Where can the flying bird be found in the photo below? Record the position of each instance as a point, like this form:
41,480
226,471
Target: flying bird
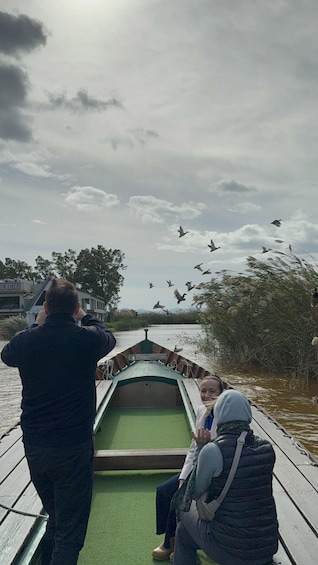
151,285
189,285
212,246
198,266
182,232
178,296
277,223
207,272
314,298
166,311
170,283
158,305
265,249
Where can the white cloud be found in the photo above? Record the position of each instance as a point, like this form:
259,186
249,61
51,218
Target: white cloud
33,169
154,210
245,208
90,198
38,222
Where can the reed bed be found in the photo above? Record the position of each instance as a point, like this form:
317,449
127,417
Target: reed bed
264,317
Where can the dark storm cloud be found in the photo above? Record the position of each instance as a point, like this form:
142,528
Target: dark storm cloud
82,102
13,92
232,186
20,33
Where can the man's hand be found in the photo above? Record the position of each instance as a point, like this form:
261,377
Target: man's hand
79,315
40,318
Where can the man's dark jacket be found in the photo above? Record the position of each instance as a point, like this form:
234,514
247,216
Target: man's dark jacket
57,362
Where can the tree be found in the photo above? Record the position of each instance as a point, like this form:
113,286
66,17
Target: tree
2,270
43,268
17,270
65,265
97,270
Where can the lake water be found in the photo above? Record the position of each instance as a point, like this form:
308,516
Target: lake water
290,403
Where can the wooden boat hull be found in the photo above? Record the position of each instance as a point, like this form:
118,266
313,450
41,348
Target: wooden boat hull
149,375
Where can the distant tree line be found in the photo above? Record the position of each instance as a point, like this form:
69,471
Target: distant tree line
97,270
266,318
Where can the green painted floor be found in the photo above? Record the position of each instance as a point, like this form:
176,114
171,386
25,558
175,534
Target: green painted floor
121,528
143,428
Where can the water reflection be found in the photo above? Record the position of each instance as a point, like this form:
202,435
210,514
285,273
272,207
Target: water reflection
289,402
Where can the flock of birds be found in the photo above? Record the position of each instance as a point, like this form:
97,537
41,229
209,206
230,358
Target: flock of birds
180,297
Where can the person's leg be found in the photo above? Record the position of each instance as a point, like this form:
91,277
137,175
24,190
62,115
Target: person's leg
170,529
164,494
37,459
165,517
192,534
72,477
185,547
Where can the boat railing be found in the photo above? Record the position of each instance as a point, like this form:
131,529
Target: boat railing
182,366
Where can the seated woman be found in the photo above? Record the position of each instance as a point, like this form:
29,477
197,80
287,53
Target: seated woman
244,530
210,388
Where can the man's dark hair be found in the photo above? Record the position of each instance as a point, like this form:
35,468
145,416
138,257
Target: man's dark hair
61,297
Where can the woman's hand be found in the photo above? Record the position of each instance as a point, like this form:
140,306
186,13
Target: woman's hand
202,436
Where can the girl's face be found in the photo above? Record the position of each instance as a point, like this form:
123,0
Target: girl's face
210,389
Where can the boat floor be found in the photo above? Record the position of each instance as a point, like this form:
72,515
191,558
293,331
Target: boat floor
295,487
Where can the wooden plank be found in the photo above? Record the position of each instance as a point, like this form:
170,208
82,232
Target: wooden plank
101,391
11,459
280,436
146,357
14,485
8,439
193,393
284,443
18,527
281,557
138,459
295,534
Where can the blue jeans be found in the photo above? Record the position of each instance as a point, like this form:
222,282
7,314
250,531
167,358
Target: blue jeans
166,518
63,478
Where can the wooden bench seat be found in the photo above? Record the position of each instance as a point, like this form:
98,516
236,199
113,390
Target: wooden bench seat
146,357
138,459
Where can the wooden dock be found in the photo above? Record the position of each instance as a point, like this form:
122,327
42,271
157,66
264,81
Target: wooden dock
295,489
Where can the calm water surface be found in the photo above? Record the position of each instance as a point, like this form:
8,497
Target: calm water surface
288,402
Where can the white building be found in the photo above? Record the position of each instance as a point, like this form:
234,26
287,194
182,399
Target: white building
20,297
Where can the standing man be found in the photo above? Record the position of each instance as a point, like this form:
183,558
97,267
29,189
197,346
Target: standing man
57,360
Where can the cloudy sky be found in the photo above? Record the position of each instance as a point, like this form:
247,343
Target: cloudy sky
121,121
